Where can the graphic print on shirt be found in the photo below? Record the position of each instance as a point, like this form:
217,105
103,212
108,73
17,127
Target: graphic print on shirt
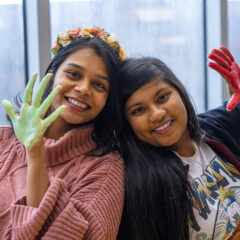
217,200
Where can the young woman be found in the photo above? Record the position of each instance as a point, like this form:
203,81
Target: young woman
181,171
60,174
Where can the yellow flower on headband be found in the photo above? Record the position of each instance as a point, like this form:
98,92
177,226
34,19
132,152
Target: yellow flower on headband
122,54
69,36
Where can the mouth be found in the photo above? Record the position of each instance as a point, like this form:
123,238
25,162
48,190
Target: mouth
76,104
164,128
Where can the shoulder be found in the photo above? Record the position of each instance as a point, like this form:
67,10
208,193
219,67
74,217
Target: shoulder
223,126
6,135
105,164
6,132
7,140
94,174
220,118
221,113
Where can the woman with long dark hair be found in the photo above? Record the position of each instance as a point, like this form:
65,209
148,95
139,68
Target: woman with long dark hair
181,170
61,176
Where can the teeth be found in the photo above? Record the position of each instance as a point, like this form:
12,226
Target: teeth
163,127
81,105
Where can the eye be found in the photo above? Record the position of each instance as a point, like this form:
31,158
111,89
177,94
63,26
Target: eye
163,97
138,110
99,85
73,74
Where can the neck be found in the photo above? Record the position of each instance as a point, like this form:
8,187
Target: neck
185,147
187,151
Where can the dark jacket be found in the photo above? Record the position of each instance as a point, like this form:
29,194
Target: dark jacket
222,132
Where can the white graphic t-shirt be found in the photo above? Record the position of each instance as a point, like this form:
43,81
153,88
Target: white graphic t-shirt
216,196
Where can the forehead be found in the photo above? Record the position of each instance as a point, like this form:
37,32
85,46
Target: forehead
85,53
150,88
88,59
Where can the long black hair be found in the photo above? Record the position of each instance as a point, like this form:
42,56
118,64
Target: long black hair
107,123
158,201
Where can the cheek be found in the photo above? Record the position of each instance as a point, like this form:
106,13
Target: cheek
182,114
101,100
138,126
59,79
55,103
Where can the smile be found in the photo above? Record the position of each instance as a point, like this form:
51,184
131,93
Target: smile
164,128
75,103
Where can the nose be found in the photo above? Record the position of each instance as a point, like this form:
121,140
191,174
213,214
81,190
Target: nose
82,87
157,114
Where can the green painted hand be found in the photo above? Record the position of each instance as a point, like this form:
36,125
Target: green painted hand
30,125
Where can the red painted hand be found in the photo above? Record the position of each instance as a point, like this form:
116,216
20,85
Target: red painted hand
230,70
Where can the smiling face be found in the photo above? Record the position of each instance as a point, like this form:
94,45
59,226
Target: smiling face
85,87
158,116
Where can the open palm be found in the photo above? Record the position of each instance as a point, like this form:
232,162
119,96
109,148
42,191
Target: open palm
230,70
30,125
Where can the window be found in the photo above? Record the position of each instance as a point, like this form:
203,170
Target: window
171,30
12,75
233,28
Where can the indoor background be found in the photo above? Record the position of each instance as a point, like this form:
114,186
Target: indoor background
179,32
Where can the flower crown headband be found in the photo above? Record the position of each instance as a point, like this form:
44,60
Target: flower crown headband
69,36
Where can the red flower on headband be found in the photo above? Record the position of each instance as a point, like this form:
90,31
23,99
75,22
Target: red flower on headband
57,46
74,33
68,36
99,32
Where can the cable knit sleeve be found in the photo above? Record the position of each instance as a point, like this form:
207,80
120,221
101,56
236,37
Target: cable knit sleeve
90,208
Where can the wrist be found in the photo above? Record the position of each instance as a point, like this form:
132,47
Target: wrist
37,147
37,154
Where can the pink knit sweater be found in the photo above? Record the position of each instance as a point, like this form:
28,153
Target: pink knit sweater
84,199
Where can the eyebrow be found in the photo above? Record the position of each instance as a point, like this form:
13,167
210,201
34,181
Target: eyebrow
160,90
83,69
139,103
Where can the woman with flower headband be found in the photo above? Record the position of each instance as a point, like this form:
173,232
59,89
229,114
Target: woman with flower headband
182,172
60,174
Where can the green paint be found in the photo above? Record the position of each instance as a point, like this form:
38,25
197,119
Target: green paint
29,126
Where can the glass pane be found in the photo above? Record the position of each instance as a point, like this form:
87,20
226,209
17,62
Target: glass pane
12,52
168,29
234,28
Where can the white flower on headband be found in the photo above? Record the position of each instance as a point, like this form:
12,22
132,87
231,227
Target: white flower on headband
69,36
64,38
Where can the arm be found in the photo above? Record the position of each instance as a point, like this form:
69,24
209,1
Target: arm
29,127
90,210
229,69
37,176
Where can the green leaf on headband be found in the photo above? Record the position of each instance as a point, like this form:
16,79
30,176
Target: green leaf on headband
54,51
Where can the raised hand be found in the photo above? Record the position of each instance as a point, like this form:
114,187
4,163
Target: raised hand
230,70
30,125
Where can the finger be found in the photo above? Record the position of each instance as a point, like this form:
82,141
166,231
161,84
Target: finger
235,78
226,51
9,109
235,99
231,90
48,101
53,116
219,60
222,55
223,71
28,90
37,98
